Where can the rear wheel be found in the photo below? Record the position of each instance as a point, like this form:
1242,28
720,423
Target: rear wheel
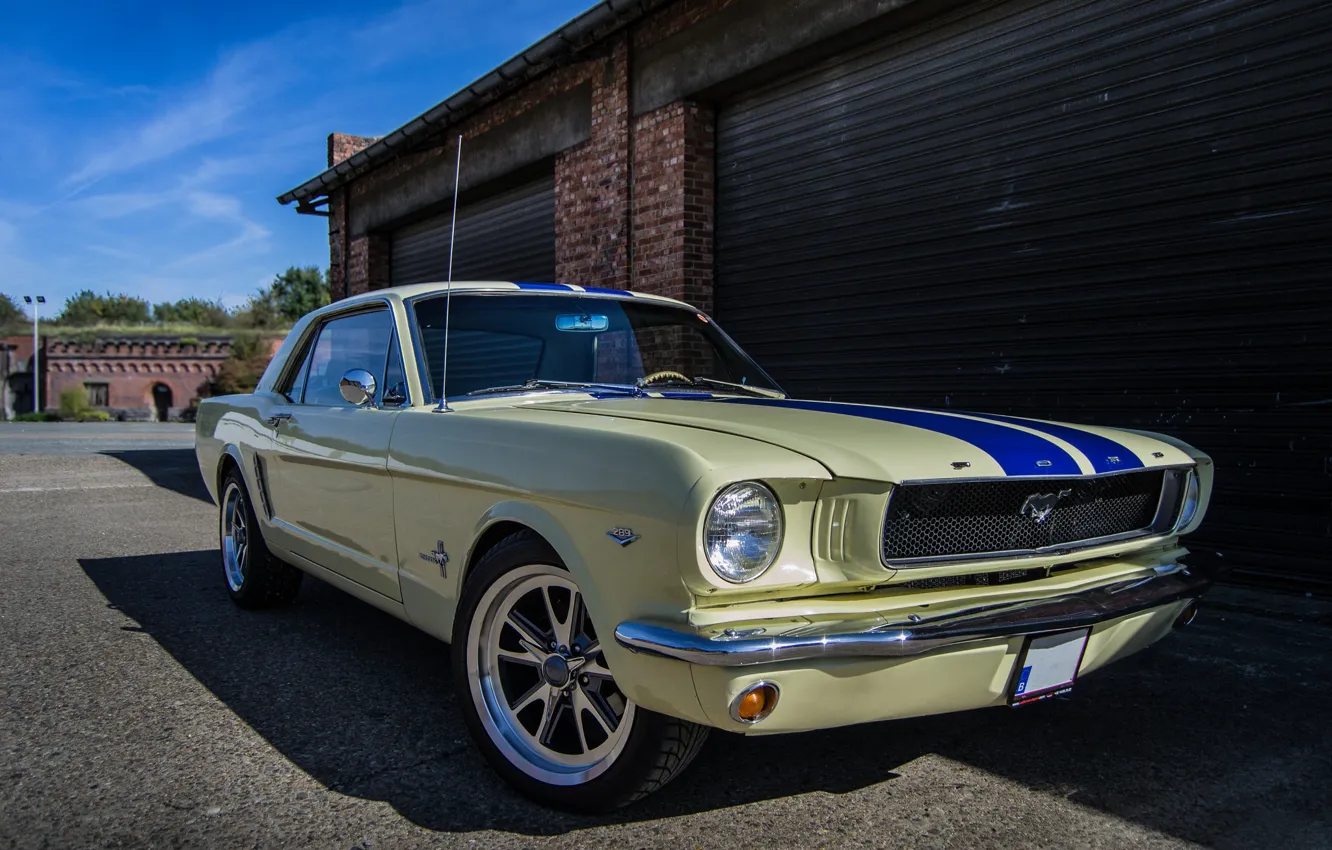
538,696
255,578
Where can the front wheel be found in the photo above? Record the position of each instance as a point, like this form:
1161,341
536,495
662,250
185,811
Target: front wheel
537,694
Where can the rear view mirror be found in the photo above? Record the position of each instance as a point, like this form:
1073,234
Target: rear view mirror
585,323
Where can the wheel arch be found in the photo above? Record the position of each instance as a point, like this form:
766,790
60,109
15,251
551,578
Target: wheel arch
509,517
230,458
256,487
488,539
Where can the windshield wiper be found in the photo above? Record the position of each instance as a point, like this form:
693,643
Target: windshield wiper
761,392
542,384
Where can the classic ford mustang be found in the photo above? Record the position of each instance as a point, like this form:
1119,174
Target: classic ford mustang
629,534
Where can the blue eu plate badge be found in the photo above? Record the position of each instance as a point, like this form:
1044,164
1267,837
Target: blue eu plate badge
1048,666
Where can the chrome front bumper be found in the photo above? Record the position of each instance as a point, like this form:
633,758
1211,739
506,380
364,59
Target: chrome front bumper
896,640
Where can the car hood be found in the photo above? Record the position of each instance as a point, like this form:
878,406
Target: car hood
896,443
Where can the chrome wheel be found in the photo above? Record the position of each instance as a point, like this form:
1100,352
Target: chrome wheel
539,681
235,536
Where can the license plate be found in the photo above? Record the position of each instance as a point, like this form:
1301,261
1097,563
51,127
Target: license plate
1048,666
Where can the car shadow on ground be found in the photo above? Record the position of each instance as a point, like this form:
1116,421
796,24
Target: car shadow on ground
1205,736
176,470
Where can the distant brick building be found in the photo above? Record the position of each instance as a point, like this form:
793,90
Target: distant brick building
149,378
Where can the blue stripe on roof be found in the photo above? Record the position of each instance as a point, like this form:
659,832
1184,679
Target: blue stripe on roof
1017,452
601,291
1098,449
557,287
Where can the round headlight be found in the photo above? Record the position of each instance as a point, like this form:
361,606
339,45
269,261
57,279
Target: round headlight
743,531
1189,505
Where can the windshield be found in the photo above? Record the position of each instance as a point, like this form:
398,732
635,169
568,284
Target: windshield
505,341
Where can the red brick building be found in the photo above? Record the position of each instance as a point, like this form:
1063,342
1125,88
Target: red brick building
149,378
1092,211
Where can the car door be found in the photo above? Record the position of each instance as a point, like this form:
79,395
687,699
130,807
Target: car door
332,498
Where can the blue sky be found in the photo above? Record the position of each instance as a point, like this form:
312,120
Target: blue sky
144,143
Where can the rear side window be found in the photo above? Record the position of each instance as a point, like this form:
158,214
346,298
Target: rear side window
359,341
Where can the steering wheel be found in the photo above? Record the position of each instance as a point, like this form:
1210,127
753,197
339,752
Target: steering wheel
657,376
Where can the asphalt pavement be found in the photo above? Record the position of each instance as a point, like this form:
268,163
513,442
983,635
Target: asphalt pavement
139,708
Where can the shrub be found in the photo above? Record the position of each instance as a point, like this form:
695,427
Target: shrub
37,417
73,403
94,416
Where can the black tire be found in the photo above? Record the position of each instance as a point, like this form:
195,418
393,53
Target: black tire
656,748
263,581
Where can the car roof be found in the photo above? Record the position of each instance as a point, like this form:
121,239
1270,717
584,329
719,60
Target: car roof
417,290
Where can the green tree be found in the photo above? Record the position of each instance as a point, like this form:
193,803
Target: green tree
89,308
297,291
193,311
260,313
242,369
10,312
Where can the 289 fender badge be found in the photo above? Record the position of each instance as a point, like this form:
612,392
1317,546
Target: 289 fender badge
623,536
438,557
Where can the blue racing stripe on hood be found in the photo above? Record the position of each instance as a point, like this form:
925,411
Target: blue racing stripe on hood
1018,452
1104,453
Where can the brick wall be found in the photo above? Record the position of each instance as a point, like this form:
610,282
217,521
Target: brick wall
633,204
592,187
341,146
368,259
673,202
337,249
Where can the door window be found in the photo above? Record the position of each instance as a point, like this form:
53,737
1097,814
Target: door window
359,341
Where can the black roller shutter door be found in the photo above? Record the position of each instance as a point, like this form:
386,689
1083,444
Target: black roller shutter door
1104,212
507,236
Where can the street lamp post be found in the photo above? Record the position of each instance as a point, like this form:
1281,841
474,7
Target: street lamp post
36,402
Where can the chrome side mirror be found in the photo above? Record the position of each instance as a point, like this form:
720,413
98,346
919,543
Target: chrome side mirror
357,387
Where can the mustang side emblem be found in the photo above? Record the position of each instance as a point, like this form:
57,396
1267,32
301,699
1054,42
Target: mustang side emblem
438,557
623,536
1039,506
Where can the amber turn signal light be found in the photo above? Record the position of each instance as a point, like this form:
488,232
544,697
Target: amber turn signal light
754,703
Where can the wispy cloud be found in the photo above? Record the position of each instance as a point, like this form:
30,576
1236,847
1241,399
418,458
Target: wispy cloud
249,237
205,114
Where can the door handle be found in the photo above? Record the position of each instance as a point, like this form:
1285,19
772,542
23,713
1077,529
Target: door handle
278,418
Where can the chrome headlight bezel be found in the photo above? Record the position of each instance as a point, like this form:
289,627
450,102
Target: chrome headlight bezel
746,574
1189,501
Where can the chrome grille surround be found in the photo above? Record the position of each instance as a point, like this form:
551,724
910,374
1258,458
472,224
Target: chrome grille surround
929,522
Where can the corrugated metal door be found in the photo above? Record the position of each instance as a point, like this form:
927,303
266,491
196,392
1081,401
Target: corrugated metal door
1104,212
507,236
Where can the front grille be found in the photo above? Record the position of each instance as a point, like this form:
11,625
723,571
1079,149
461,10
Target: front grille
1012,515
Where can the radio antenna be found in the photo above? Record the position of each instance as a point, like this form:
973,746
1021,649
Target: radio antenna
448,291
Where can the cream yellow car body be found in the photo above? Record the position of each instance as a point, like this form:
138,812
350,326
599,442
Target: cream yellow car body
380,499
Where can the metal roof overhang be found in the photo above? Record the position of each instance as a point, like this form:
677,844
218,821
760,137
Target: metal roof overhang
586,29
